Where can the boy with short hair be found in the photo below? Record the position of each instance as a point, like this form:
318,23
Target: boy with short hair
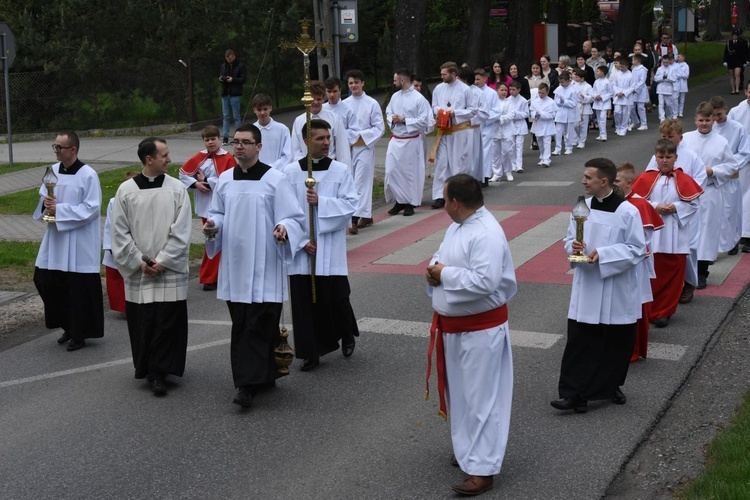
520,129
622,87
664,79
567,104
277,142
543,111
714,150
335,104
504,149
201,174
602,101
584,91
682,73
640,94
674,195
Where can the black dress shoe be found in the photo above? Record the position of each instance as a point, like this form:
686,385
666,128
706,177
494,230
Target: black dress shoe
244,397
734,250
65,337
75,345
310,364
619,398
396,209
408,211
439,203
577,405
687,293
454,461
702,282
348,349
661,322
158,387
209,287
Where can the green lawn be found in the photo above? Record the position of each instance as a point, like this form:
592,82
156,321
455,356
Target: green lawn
6,168
704,59
728,471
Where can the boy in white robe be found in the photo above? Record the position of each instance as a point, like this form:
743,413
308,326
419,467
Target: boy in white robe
340,150
622,88
151,225
491,104
277,141
504,149
543,111
565,118
410,118
475,167
602,91
585,98
320,325
258,225
66,271
720,167
334,102
682,73
364,133
664,80
471,278
603,308
734,133
741,114
640,94
520,129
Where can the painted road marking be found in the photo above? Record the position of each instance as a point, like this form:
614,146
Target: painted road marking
544,184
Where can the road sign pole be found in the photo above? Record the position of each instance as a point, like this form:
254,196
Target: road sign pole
7,97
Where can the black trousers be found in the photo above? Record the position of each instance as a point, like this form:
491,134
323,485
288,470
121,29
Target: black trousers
72,301
158,338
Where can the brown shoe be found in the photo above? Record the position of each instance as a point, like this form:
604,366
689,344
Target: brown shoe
687,293
364,222
353,230
473,485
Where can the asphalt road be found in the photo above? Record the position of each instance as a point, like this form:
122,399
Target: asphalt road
77,425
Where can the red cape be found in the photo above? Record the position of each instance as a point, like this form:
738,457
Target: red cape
687,188
222,161
649,215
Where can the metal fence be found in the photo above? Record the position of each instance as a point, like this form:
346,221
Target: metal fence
45,102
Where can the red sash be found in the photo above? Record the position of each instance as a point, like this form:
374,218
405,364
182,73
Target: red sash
649,215
687,188
404,136
222,162
457,324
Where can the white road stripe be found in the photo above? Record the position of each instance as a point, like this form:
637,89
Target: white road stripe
531,243
545,183
518,338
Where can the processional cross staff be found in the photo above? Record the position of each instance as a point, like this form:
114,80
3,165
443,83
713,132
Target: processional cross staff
306,44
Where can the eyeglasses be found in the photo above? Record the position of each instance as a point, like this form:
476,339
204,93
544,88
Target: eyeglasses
245,143
57,148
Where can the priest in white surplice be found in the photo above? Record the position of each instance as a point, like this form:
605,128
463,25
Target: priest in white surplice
452,150
319,326
364,132
66,272
340,150
151,224
254,209
410,117
470,279
603,306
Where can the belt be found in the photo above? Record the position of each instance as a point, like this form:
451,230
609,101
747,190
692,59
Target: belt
394,136
448,131
456,324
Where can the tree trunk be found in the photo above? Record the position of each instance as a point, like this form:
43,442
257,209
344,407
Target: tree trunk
628,21
725,15
744,10
408,28
713,30
645,27
479,18
521,21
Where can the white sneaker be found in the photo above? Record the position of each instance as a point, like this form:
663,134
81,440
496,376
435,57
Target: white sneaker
598,138
568,152
494,178
509,177
519,171
630,127
545,165
580,146
604,139
556,152
643,127
540,162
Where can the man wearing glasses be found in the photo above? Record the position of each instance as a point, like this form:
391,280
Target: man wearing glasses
665,47
257,224
67,266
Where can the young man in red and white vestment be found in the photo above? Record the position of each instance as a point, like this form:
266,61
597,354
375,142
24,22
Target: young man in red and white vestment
652,221
201,174
674,195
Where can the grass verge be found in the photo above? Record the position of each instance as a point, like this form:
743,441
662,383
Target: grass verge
6,168
704,59
728,471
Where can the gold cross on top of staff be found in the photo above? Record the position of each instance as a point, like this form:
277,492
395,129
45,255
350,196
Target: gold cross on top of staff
305,43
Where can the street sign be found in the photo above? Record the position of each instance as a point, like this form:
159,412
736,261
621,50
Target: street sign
347,21
9,44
